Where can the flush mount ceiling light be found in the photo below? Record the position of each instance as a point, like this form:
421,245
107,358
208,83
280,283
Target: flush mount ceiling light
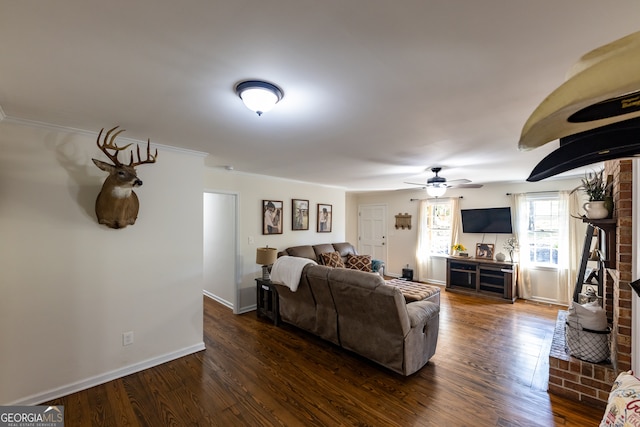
259,96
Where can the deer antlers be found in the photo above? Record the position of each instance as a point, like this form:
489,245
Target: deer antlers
111,145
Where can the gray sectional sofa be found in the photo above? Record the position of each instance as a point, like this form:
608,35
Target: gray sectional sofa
361,312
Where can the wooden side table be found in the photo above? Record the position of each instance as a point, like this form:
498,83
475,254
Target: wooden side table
267,300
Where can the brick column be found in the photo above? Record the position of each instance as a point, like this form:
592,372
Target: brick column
620,291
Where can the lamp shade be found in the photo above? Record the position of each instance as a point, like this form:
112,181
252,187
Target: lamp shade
266,256
436,190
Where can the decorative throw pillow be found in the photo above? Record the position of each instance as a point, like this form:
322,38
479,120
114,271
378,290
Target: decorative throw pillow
623,406
591,316
332,259
375,265
359,262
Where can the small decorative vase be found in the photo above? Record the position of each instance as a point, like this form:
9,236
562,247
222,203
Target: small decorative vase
596,210
455,253
500,257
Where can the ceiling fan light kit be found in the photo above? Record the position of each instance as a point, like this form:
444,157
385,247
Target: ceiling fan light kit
436,190
259,96
436,186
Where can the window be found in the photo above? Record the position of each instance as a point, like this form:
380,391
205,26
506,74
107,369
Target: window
543,230
439,221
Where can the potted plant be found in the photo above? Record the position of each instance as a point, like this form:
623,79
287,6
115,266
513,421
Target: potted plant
596,188
511,246
459,250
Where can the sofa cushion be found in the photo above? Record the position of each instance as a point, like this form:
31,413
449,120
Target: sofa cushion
622,406
305,251
332,259
345,249
359,262
321,249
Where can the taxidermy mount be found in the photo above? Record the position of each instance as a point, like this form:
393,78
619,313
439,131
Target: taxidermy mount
117,204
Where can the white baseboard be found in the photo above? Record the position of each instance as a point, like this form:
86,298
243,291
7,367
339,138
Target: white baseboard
247,309
550,301
226,303
55,393
437,283
218,299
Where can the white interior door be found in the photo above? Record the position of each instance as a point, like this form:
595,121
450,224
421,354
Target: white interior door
220,248
372,231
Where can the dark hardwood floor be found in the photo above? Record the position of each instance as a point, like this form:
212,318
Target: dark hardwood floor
490,369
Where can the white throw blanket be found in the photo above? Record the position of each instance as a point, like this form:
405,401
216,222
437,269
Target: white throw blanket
288,269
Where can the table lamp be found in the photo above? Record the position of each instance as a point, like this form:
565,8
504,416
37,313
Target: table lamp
266,257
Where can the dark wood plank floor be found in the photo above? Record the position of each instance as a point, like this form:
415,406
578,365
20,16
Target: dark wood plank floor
490,369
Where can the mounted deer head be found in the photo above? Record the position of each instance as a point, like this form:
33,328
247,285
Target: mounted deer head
117,204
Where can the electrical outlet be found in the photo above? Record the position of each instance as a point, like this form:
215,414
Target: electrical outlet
127,338
250,240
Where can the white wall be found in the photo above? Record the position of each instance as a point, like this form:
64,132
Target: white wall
252,190
71,287
402,243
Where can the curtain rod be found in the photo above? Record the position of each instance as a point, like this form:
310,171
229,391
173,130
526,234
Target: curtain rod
437,198
536,192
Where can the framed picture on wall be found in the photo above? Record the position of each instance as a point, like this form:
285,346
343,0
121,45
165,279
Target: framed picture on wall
484,250
299,214
324,218
271,217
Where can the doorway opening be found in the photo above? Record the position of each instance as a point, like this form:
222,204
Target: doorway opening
220,248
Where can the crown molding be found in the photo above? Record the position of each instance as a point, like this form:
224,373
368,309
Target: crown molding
67,129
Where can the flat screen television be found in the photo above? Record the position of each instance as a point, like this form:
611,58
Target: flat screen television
489,220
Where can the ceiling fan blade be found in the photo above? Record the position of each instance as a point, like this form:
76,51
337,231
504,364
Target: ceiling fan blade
415,183
458,181
465,186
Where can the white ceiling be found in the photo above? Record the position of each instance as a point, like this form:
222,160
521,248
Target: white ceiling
376,91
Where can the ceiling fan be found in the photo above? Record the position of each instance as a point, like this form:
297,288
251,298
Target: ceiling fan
437,185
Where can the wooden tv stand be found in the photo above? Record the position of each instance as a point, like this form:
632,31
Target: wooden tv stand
483,277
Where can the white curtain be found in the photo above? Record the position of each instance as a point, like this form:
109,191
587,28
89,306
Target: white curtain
577,234
456,220
571,233
422,247
563,269
521,232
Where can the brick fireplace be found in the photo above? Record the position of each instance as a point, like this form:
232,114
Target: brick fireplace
585,381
